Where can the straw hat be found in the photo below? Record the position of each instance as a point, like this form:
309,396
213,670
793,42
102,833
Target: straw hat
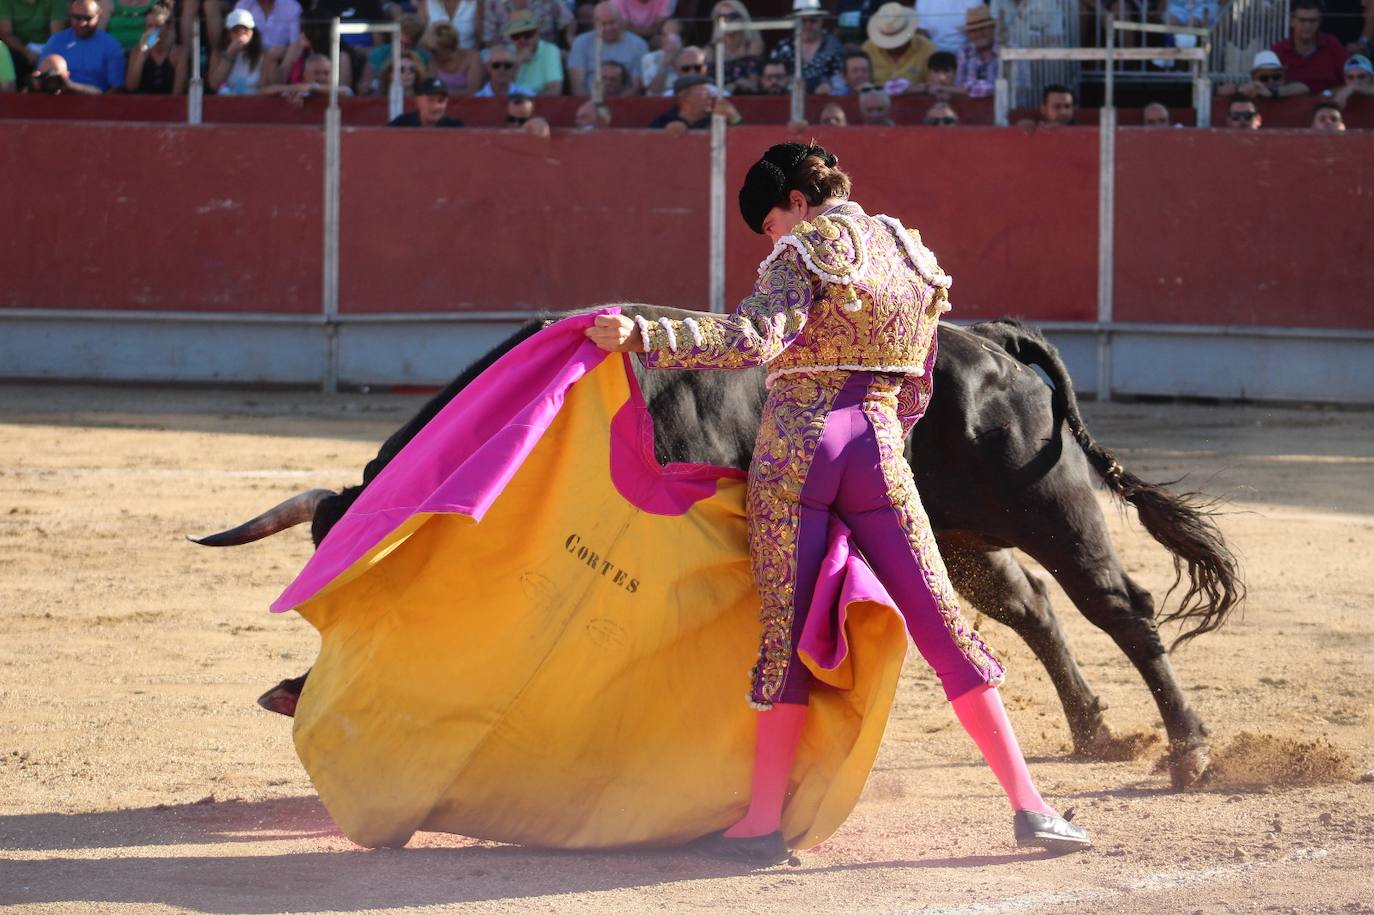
892,26
977,17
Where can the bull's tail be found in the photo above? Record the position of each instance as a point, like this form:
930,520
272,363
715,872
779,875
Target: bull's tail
1183,523
296,510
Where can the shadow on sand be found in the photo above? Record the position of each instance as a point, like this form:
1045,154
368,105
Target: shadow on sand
225,879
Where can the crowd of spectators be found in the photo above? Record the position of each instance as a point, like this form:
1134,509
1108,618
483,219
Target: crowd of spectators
521,50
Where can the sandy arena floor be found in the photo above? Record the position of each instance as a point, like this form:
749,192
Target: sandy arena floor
138,775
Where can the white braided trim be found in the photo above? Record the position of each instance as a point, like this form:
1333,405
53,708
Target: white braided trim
695,330
643,326
671,334
916,370
921,256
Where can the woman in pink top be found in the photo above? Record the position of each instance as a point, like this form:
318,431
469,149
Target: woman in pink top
644,16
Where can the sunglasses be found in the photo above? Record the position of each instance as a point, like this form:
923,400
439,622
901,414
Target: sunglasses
732,17
514,121
521,36
866,90
692,68
1242,115
500,65
941,122
1271,78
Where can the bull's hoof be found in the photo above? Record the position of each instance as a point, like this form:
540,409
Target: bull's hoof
1188,765
282,698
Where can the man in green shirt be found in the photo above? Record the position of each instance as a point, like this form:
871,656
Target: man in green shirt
25,26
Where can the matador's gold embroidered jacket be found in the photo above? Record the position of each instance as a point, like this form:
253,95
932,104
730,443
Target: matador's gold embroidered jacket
837,293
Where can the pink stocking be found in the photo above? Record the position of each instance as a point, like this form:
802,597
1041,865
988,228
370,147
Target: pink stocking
774,748
981,713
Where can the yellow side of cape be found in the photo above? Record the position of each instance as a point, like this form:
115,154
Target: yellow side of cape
572,671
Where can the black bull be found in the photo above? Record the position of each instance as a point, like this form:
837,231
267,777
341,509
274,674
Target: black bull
1001,460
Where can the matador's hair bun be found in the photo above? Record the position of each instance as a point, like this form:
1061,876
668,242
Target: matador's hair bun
780,172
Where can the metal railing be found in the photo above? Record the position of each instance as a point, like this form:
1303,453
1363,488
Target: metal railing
333,125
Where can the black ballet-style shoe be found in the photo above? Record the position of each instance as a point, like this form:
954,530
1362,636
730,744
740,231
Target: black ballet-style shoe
759,851
1056,833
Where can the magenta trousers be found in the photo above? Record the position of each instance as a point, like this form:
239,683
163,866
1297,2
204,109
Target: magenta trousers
858,472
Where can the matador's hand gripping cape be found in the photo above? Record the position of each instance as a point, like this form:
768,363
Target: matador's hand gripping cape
532,632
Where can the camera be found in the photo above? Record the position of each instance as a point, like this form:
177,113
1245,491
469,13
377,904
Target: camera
50,83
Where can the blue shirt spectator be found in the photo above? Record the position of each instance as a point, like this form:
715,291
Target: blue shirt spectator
94,58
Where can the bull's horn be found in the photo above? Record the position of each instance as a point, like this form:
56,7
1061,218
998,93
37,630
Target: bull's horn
293,511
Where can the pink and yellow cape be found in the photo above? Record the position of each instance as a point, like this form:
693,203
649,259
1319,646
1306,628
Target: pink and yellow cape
533,632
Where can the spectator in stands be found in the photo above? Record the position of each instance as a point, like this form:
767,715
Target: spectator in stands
940,115
743,51
1199,14
157,64
1326,116
500,61
431,103
1155,115
457,67
591,116
643,17
875,106
413,72
615,82
625,48
1243,114
239,65
977,74
942,71
212,32
520,116
279,22
820,50
314,39
539,64
941,20
123,19
315,79
899,52
659,60
1310,56
775,79
412,31
832,115
1057,106
856,70
690,61
1267,80
463,16
1359,79
553,18
359,12
92,61
695,104
25,26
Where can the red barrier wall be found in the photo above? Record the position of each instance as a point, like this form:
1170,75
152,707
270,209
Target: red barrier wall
147,217
985,200
502,220
1213,227
1235,227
